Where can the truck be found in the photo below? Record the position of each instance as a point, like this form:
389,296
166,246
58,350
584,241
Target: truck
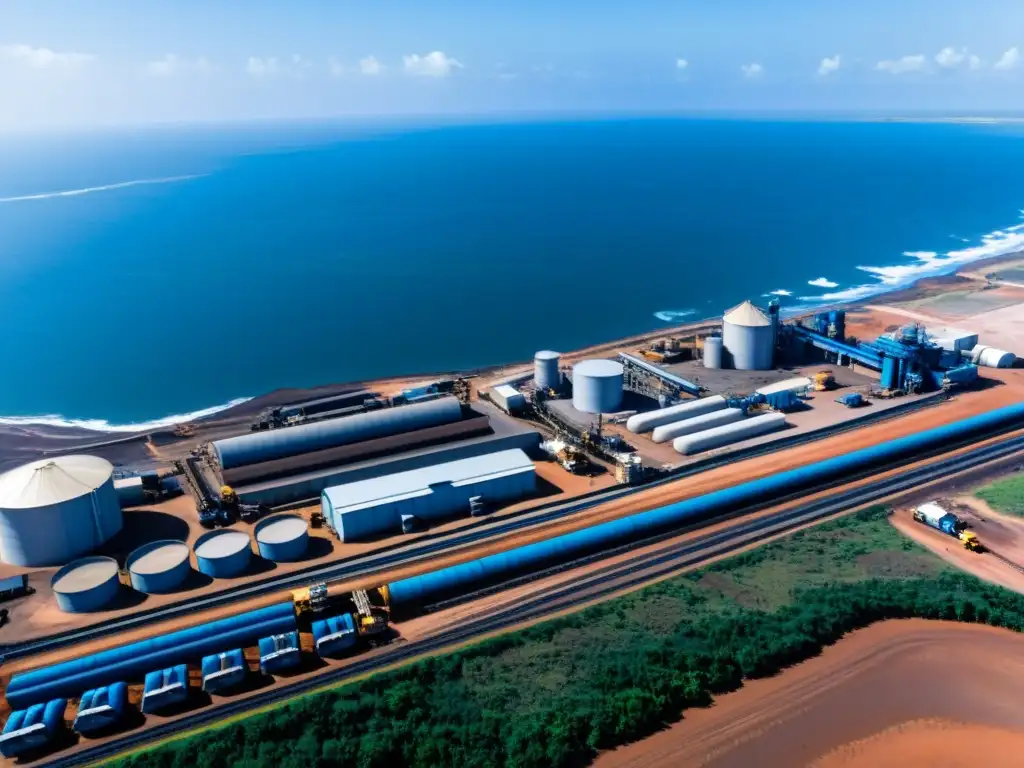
934,516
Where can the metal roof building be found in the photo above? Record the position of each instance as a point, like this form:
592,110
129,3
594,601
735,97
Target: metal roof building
748,338
54,510
372,507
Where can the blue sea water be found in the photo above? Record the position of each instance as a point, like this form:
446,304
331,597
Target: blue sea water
260,257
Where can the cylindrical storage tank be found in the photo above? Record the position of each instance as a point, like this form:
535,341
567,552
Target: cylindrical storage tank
729,433
54,510
159,566
697,424
545,370
223,554
713,352
990,357
890,373
597,386
282,538
644,422
86,585
747,338
255,447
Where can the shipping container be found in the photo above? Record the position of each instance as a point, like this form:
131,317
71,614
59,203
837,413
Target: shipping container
509,399
412,594
335,635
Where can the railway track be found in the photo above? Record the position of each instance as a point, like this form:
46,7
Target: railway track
402,554
595,585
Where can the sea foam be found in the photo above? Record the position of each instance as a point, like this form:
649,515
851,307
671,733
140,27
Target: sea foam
90,190
672,315
101,425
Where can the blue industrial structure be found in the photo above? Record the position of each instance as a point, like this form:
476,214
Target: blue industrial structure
408,594
279,443
164,688
335,635
282,538
101,708
159,566
223,554
224,671
132,661
33,727
279,652
88,584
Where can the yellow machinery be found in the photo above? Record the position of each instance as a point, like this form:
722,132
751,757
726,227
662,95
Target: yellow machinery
824,381
371,614
971,541
228,497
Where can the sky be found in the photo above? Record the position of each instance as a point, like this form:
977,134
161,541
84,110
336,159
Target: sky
77,63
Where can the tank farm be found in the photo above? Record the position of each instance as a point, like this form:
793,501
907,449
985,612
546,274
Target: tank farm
246,559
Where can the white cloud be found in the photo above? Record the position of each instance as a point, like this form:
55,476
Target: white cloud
903,65
822,282
434,64
950,58
370,65
336,66
779,292
172,64
258,67
44,58
682,63
1008,60
752,70
974,62
828,66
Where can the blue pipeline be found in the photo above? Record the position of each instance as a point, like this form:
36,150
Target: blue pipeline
863,355
419,590
133,661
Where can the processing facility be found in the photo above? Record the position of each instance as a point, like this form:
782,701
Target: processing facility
407,500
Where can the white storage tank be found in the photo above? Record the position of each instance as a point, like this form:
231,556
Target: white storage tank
645,422
86,585
747,337
597,386
990,357
729,434
545,370
159,566
697,424
54,510
713,352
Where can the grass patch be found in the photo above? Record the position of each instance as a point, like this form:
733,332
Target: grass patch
1005,495
556,693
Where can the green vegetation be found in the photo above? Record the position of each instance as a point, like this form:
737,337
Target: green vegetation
555,694
1005,495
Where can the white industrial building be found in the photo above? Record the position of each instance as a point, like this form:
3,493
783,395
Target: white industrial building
748,336
377,506
53,510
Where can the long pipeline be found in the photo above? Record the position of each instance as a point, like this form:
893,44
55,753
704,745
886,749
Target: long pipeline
412,593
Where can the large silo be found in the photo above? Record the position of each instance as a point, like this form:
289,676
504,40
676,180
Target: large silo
282,538
223,554
159,566
54,510
747,336
545,370
597,386
713,352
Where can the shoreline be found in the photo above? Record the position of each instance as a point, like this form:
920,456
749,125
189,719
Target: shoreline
27,437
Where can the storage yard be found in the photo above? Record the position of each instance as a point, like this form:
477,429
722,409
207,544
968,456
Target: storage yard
735,417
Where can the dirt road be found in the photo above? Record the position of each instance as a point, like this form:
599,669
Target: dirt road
890,674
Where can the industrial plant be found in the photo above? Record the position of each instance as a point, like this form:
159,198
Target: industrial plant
310,485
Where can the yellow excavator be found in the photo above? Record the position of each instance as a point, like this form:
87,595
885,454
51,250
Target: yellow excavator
824,381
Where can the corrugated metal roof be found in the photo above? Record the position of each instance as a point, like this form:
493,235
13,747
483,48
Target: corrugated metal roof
417,482
506,391
52,481
789,385
746,314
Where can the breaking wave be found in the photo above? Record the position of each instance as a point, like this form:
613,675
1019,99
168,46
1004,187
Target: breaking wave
926,264
101,425
672,315
90,190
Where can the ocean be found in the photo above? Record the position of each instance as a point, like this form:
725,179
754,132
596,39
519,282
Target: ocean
167,272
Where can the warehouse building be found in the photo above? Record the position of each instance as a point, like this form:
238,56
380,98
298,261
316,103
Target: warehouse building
358,511
54,510
492,432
